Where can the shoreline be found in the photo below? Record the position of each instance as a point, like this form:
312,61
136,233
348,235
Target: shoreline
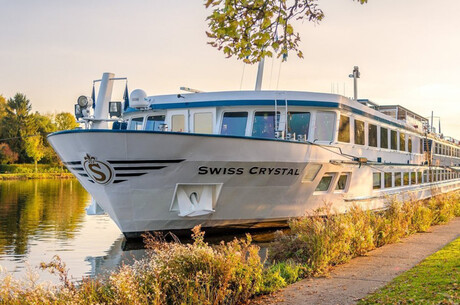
30,176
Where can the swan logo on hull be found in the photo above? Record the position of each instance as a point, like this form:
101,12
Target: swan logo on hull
100,172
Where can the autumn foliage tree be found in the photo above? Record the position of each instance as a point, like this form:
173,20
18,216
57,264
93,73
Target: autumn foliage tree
254,29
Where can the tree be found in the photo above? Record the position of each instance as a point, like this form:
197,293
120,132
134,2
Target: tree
17,124
65,121
254,29
7,155
34,148
2,106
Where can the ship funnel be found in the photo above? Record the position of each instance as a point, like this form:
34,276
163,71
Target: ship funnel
260,75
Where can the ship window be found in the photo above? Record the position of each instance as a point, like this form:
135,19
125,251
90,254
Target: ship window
383,137
154,122
372,135
324,184
426,176
398,179
359,132
406,179
409,144
312,171
178,123
377,181
264,124
413,178
388,180
344,129
394,140
136,123
342,182
324,130
298,123
402,141
202,122
234,123
419,177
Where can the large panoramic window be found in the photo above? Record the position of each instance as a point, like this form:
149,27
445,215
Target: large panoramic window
324,130
264,124
178,123
383,137
154,122
202,122
234,123
344,129
377,181
298,123
402,141
372,135
359,132
136,123
394,140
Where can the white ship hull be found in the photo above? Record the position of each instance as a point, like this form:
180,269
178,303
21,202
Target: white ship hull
151,181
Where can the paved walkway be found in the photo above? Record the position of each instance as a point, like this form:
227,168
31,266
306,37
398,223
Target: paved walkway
350,282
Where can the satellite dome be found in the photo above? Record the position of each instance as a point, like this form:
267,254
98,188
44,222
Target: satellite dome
138,99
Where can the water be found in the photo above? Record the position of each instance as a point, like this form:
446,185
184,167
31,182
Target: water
43,218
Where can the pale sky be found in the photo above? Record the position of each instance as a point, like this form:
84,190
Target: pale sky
408,52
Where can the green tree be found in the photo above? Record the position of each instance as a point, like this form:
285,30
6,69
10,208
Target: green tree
17,124
65,121
2,106
254,29
44,125
35,148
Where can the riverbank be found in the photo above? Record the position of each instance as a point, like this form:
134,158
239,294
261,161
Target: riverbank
27,171
27,176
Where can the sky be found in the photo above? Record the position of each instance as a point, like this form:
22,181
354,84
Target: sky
407,52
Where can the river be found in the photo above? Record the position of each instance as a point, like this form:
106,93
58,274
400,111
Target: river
43,218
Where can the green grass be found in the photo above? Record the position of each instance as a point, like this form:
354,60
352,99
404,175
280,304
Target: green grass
436,280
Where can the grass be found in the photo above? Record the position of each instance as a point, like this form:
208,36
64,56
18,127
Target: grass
436,280
233,272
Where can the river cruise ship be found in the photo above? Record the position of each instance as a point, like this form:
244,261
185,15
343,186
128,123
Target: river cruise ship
248,159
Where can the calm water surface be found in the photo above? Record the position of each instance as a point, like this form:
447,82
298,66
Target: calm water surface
43,218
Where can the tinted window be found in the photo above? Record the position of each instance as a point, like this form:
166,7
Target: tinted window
136,123
388,180
323,185
154,122
359,132
419,177
341,183
377,181
344,129
372,135
409,144
402,141
413,178
298,123
324,130
394,139
406,179
383,137
264,124
234,123
398,179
